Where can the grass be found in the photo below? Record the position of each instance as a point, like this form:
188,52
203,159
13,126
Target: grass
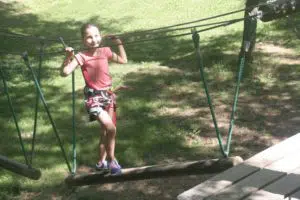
165,118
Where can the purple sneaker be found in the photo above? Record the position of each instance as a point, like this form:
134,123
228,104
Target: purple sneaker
114,167
102,166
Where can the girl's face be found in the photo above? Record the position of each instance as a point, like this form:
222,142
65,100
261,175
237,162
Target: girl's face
92,38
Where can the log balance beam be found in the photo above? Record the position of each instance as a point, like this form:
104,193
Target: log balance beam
19,168
155,171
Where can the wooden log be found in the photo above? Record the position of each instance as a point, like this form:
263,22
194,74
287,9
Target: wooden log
19,168
155,171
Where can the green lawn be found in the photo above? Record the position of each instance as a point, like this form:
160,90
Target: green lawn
165,118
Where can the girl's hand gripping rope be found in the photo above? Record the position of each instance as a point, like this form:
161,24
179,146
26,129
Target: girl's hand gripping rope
69,52
69,55
121,57
68,65
115,39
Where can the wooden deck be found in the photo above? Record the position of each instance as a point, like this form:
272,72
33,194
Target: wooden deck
272,174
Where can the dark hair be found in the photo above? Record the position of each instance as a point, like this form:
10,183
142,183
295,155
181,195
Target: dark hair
86,26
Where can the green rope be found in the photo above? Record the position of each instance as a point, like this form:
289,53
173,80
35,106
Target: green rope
73,124
225,152
26,60
14,115
196,39
37,100
73,116
231,125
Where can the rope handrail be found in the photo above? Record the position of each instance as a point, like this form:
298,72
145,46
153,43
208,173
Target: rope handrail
191,22
195,26
54,39
230,22
19,35
220,24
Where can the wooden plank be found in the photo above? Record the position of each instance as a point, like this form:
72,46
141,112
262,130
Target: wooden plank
238,172
218,182
259,179
280,188
156,171
287,164
275,152
248,185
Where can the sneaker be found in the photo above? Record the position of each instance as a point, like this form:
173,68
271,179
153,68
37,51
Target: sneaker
114,167
102,166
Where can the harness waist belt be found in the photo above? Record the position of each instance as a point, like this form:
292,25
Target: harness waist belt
91,91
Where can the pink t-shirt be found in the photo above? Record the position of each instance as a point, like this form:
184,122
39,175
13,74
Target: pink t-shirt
95,68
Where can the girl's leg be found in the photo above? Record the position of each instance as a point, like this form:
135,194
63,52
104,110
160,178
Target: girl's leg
110,128
102,141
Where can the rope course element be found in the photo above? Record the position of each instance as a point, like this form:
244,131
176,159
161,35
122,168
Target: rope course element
136,41
144,33
14,166
19,168
14,115
224,150
264,11
278,10
155,171
26,61
270,8
42,46
168,28
73,115
54,39
217,25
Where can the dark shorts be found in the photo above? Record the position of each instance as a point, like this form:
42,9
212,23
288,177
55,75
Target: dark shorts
97,101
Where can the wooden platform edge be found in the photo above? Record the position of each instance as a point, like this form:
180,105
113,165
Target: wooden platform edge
218,182
19,168
259,161
156,171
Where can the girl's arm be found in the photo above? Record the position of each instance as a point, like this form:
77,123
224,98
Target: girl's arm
122,57
68,65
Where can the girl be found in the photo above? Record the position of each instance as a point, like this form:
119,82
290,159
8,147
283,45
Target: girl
99,100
